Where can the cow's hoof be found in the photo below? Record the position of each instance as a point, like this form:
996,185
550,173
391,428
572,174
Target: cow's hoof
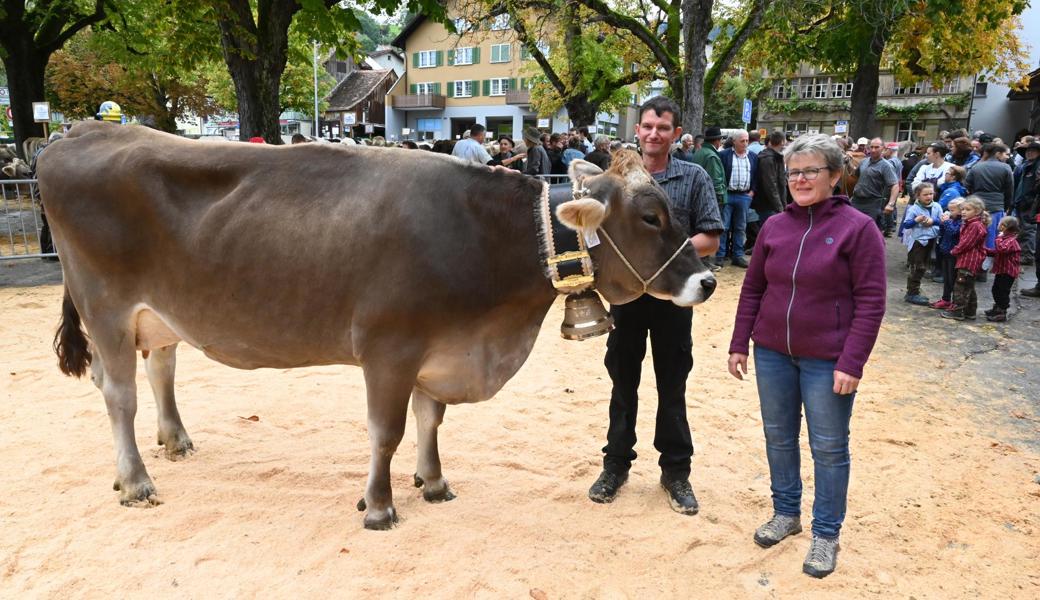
382,520
438,495
177,446
140,494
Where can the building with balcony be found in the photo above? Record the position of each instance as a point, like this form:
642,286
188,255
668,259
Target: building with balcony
817,102
454,80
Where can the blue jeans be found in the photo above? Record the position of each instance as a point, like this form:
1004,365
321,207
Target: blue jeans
785,383
734,218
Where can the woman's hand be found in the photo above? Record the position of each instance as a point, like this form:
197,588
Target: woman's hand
844,383
738,365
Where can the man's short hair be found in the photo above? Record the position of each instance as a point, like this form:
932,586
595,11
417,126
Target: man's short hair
776,138
476,129
661,105
584,131
686,138
754,136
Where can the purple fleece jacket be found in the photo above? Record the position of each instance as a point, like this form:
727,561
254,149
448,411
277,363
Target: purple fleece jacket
816,286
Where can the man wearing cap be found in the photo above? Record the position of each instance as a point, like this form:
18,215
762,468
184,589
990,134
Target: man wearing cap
695,211
1027,196
877,182
707,157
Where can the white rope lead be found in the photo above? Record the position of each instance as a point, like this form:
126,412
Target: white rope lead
646,282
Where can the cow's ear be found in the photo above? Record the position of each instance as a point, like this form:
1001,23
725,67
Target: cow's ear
584,214
580,169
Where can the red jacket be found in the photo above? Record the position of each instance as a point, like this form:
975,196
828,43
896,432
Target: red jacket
1006,257
971,250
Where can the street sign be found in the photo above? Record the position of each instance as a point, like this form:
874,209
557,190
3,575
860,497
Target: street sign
746,115
41,112
5,95
841,127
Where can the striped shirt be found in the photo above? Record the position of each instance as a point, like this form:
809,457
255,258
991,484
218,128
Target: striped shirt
1006,257
692,195
971,250
740,174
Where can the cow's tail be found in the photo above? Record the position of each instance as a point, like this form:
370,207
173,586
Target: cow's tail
70,343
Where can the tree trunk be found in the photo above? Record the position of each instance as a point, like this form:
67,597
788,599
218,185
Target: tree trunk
581,111
697,24
25,66
256,59
863,107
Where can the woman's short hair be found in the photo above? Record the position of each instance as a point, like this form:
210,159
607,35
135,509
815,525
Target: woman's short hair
818,144
959,173
602,141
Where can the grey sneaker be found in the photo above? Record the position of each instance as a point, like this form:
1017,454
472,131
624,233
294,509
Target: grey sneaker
776,529
822,557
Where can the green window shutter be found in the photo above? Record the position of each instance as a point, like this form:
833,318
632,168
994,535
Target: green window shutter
439,58
415,59
437,88
512,84
523,83
476,55
412,89
451,58
451,89
487,87
475,87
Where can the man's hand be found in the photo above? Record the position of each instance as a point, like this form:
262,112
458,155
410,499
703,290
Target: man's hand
738,365
844,383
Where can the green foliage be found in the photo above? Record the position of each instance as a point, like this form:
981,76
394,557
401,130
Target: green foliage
910,111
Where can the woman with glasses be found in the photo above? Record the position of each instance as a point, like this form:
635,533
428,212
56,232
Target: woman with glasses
812,301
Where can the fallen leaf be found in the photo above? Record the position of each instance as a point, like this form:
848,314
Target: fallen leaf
252,418
538,594
344,551
568,391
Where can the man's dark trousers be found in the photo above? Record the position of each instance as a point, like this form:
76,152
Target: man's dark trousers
669,328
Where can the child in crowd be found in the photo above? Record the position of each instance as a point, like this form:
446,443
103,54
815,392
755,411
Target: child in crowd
921,224
952,186
949,235
1006,267
970,252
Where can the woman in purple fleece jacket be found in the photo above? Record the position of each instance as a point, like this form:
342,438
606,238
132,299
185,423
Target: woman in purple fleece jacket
812,302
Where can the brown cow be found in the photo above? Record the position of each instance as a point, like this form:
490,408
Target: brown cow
426,271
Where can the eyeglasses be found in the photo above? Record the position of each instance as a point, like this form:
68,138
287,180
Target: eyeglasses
810,174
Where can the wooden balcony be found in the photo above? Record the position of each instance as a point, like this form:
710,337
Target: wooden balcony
418,102
520,97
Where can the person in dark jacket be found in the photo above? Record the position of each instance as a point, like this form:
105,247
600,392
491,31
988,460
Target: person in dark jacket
600,156
1027,193
557,144
810,346
537,161
771,178
993,182
506,156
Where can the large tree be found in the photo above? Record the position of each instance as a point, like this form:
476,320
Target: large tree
254,36
30,32
935,40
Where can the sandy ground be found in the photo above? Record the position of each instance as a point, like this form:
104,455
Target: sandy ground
944,502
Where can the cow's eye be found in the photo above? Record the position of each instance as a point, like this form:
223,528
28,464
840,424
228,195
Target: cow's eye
651,219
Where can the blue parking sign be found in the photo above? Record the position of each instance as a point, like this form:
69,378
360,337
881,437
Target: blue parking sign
746,115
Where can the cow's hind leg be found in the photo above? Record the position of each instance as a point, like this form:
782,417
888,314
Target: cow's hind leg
389,384
161,365
119,387
429,414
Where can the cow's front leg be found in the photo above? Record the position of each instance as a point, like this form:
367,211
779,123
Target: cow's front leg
161,365
119,387
389,384
429,414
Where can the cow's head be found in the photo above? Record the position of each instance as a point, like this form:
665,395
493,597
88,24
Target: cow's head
634,212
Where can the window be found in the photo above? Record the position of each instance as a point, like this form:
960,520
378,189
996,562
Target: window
905,131
796,129
908,90
781,91
463,56
951,87
500,53
500,22
423,89
820,88
498,87
463,88
428,125
981,89
341,66
426,58
542,46
805,91
462,25
841,90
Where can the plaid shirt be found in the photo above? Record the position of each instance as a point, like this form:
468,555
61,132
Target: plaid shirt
740,177
970,250
1006,257
692,195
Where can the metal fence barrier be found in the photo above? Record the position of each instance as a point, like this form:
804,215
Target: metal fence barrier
23,224
564,178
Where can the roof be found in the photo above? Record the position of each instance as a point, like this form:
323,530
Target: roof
406,31
1032,91
384,51
355,87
